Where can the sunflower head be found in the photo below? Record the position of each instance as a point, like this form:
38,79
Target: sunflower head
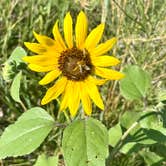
76,66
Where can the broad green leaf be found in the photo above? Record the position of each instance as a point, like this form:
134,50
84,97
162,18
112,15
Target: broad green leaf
147,141
127,147
26,134
115,133
7,71
159,149
10,69
17,55
85,142
44,160
132,147
153,128
135,84
163,111
158,135
150,157
150,122
142,138
129,118
15,87
137,134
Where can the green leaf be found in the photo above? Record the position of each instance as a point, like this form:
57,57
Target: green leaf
13,64
128,118
158,135
151,121
163,115
137,134
26,134
159,149
85,142
115,133
17,55
153,128
15,87
150,157
127,147
141,138
135,84
44,160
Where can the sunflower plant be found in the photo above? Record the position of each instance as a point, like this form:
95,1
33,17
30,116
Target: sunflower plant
74,67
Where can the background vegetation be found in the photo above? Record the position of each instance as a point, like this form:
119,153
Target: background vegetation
140,26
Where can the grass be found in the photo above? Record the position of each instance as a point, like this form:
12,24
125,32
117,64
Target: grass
140,26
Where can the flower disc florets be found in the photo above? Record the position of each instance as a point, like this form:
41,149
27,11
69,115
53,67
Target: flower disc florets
75,64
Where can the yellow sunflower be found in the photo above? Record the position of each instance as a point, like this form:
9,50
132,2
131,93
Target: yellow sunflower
76,64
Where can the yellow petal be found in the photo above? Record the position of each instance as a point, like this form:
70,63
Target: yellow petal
53,92
108,73
86,101
35,47
44,40
41,60
74,99
93,92
64,101
99,81
81,29
57,35
105,61
104,47
94,37
66,96
63,104
68,30
38,68
49,77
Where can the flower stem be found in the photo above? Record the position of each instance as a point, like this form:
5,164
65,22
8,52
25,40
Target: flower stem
23,106
104,10
67,116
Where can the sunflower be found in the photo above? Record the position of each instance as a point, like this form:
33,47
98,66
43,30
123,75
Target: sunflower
76,65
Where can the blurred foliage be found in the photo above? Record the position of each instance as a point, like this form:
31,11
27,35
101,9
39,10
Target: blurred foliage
140,26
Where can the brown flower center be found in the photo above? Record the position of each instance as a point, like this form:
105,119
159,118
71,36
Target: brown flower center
75,64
